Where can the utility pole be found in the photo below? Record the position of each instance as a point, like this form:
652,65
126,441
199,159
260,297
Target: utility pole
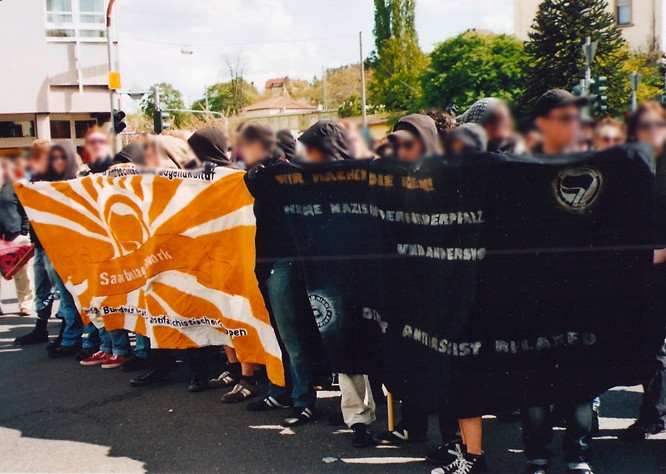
634,80
114,76
323,87
589,50
363,113
206,96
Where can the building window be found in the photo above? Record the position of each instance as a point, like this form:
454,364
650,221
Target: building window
61,129
624,12
83,20
17,129
82,126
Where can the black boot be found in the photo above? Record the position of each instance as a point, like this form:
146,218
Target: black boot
57,342
39,335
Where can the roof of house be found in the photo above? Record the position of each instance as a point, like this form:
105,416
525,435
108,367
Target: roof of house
273,83
279,103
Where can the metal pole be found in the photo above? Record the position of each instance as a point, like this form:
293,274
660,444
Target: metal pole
109,10
206,96
363,113
323,87
588,65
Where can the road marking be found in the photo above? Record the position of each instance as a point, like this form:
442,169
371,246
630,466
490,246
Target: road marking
377,460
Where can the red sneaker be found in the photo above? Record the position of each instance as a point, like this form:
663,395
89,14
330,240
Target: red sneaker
97,358
114,361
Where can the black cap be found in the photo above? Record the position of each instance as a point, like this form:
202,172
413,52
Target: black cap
556,98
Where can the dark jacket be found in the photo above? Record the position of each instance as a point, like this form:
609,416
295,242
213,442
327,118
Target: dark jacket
210,145
132,153
329,138
99,166
13,221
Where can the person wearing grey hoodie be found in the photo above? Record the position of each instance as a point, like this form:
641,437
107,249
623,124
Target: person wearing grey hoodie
414,137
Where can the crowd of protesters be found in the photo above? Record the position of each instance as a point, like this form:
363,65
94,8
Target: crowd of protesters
560,126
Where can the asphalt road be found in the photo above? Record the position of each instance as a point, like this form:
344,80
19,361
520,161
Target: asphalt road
56,416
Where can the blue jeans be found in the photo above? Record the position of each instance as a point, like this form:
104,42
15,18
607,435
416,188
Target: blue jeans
114,342
288,298
537,427
142,346
71,336
44,292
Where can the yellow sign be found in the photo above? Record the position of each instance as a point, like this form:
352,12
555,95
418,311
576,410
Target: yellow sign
114,80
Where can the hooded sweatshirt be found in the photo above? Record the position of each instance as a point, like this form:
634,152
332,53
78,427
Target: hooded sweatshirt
133,153
286,143
174,153
425,129
73,163
210,145
329,138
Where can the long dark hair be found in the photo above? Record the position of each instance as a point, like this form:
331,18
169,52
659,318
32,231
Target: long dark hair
635,119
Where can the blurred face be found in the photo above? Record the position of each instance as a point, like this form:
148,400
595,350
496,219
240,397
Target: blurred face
501,126
39,162
152,161
6,170
607,136
58,161
97,146
408,150
20,168
251,152
315,155
561,128
651,129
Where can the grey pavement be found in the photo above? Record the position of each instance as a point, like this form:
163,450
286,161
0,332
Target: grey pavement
57,416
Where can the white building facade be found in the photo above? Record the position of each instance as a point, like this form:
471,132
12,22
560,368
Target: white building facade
53,70
639,20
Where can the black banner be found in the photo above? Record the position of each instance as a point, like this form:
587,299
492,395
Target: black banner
487,283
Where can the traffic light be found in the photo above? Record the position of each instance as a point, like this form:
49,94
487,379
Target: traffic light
118,124
598,98
159,121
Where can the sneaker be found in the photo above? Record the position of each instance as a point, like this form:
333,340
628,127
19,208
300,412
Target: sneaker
537,469
362,437
242,391
300,416
64,351
442,455
268,403
134,363
640,430
97,358
114,362
149,378
197,384
463,463
57,342
226,379
86,353
397,437
579,468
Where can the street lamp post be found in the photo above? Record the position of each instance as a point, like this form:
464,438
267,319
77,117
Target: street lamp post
109,11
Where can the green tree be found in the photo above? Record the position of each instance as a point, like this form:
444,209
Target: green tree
648,65
554,49
222,97
398,61
471,66
170,98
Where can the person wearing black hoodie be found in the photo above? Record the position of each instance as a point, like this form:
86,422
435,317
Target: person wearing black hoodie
63,165
286,143
283,286
211,145
326,141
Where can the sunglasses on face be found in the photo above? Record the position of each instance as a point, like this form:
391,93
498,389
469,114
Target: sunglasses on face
97,141
59,157
406,145
611,139
653,125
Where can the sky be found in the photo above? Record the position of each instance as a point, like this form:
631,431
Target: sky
270,38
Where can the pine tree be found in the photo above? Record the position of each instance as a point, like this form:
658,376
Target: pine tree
555,55
398,60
